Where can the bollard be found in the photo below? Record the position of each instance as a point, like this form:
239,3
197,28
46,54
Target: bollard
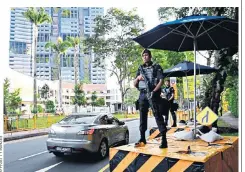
5,123
17,123
49,120
35,121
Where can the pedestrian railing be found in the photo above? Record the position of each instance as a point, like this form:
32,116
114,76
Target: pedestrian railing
29,123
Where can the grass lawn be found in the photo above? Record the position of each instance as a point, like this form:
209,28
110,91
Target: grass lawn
41,122
229,134
222,123
45,122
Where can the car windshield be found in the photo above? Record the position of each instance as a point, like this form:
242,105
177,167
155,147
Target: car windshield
78,119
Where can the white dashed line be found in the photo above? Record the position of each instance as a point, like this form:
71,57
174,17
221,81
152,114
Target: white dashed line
48,168
32,155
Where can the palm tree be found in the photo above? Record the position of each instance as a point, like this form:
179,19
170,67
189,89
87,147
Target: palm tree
75,42
36,17
60,49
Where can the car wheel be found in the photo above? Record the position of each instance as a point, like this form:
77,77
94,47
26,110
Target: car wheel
103,149
126,139
58,154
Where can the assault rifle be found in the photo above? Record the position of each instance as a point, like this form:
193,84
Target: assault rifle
148,91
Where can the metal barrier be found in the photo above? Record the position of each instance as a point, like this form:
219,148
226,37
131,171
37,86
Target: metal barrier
33,122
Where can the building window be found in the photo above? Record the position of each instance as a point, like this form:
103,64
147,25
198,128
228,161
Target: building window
43,37
18,47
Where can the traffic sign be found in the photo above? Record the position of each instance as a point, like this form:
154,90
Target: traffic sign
206,116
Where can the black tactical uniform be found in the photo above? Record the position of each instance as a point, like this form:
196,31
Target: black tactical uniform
154,73
169,91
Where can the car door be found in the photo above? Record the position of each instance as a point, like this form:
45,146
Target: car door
119,130
110,130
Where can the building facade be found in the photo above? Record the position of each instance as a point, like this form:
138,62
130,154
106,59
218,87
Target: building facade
78,22
20,44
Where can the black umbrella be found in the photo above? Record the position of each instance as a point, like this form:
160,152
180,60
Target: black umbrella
192,33
186,68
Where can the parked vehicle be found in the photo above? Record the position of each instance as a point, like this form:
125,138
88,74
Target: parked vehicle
91,132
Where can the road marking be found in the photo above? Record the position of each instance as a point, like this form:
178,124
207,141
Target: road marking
104,168
32,155
48,168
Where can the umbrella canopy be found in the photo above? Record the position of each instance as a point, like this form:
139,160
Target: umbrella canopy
186,68
210,33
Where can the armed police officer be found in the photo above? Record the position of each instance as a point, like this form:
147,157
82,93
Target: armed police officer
149,81
169,91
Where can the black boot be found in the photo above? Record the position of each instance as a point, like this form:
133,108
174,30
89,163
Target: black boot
174,124
174,119
142,140
164,143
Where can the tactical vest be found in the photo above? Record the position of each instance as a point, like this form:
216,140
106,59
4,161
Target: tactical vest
151,74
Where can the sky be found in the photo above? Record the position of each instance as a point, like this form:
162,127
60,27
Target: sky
149,14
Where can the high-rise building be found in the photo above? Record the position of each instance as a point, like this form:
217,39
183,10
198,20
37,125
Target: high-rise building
97,74
20,45
77,22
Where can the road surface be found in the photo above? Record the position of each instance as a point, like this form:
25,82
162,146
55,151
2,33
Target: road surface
31,155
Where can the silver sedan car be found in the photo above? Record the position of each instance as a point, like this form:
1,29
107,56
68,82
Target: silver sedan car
91,132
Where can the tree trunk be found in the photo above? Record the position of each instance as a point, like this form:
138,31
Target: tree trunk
4,107
60,84
75,70
35,31
121,90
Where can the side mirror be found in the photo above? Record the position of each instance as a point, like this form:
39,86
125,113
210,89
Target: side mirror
121,123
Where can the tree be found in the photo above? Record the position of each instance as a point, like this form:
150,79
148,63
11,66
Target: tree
93,98
39,109
49,106
75,42
36,17
12,100
100,102
222,58
113,40
79,98
60,49
131,96
6,86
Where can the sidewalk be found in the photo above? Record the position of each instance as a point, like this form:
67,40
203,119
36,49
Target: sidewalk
230,120
38,132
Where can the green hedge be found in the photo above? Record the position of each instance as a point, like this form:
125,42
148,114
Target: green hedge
233,101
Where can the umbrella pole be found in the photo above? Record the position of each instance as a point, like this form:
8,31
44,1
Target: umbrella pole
187,95
195,124
188,100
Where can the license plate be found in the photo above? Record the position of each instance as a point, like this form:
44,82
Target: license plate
61,149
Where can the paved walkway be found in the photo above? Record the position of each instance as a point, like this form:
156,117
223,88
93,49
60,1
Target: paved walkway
38,132
230,120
